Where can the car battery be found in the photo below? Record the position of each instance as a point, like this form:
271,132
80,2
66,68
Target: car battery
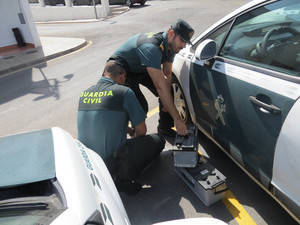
206,181
186,159
186,155
188,142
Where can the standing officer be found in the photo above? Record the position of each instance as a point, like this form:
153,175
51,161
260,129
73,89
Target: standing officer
142,56
103,114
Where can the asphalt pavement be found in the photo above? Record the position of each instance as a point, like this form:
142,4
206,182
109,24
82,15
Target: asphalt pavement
166,197
46,95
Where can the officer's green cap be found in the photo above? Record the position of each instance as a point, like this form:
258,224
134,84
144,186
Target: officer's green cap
183,29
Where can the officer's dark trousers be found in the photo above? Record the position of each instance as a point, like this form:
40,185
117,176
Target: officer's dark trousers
137,153
144,79
165,120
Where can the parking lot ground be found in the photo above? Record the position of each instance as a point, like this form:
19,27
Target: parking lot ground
39,98
166,197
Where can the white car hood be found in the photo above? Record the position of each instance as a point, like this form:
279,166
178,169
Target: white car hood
194,221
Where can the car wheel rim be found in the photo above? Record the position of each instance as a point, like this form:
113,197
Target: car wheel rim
179,101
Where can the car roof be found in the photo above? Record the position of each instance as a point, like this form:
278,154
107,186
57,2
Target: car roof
26,158
230,15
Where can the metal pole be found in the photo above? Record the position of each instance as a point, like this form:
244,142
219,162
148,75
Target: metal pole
42,3
95,9
68,3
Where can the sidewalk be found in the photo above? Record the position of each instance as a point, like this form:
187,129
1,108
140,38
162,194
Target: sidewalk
52,47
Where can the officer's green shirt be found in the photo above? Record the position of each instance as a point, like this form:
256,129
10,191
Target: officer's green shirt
145,50
103,114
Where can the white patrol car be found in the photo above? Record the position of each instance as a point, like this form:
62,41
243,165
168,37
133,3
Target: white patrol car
48,177
239,82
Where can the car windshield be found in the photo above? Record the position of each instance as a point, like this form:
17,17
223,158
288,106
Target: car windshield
268,37
290,13
267,15
35,203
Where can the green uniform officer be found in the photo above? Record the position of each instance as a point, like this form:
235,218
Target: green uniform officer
147,59
103,115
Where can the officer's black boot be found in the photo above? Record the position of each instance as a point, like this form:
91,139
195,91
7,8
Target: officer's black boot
165,124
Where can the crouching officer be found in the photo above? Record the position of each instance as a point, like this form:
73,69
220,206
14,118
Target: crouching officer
142,56
103,115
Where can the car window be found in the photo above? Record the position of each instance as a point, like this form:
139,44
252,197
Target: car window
268,37
219,35
34,203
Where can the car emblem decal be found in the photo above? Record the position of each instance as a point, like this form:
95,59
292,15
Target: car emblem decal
220,107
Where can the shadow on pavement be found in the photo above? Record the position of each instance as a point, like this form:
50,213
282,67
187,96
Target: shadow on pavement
22,83
166,197
245,190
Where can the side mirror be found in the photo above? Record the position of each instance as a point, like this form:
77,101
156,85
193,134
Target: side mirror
206,50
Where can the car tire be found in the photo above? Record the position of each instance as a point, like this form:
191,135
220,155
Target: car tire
179,100
75,3
143,2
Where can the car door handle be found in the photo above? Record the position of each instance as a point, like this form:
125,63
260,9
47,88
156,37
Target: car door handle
270,108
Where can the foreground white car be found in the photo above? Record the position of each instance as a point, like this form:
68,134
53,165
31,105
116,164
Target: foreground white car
239,82
48,177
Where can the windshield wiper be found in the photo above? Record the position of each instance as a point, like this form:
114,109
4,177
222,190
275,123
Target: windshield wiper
23,206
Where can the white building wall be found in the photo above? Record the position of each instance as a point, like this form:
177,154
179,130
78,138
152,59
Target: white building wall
9,18
31,25
61,13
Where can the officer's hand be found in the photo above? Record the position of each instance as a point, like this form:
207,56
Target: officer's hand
131,131
181,128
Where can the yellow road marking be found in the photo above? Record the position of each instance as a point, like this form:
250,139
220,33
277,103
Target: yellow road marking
200,153
236,209
229,200
152,112
232,204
